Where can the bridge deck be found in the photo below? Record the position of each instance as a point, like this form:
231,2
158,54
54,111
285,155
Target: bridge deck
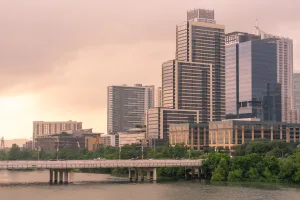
73,164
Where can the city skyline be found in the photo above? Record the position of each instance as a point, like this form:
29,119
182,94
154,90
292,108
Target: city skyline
71,85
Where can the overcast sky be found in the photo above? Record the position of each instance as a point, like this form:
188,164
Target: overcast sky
58,57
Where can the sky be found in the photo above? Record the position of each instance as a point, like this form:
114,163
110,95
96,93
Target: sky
58,57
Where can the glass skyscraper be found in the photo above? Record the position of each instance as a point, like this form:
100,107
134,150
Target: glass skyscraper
251,78
284,72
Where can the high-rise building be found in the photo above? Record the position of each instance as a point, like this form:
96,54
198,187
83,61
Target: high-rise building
127,106
199,68
195,81
296,91
44,128
158,97
193,86
284,71
251,78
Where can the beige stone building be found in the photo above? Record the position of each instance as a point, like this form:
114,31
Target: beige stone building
43,128
229,133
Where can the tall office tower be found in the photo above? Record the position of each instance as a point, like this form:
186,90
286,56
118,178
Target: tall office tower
284,71
126,106
199,68
296,91
193,85
158,97
251,78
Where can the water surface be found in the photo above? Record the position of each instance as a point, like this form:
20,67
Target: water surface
33,186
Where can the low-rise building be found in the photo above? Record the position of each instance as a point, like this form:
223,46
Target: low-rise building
228,133
130,138
159,119
75,141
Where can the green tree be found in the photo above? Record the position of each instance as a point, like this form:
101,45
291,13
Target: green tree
235,175
14,153
221,172
253,174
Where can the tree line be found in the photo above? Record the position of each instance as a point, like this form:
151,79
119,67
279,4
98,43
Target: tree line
261,160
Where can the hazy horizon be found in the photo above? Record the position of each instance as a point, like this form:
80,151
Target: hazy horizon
58,57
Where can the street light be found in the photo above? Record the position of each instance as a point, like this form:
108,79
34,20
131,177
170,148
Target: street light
38,152
189,153
57,150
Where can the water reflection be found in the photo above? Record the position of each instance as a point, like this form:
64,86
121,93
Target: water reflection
34,186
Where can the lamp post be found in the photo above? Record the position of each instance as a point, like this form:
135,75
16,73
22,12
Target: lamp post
189,153
119,152
57,150
38,152
142,151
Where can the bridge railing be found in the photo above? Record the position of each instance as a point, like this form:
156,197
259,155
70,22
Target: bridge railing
70,164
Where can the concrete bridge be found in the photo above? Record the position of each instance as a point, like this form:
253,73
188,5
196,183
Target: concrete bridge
62,171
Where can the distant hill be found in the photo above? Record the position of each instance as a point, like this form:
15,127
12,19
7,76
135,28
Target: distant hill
19,142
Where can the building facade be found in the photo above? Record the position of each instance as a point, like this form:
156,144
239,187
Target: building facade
229,133
126,106
193,86
53,143
131,138
159,120
284,71
158,97
43,128
251,78
296,85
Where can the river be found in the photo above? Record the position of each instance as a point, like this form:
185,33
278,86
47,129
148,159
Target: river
15,185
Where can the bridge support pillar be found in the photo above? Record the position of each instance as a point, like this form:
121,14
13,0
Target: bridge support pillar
199,173
66,176
193,173
61,178
51,176
185,173
55,176
142,175
154,174
71,178
148,175
130,174
136,174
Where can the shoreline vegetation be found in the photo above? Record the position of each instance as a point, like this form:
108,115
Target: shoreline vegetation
252,162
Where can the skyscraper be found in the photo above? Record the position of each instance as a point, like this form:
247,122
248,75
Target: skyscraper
199,42
193,85
284,71
251,77
126,106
